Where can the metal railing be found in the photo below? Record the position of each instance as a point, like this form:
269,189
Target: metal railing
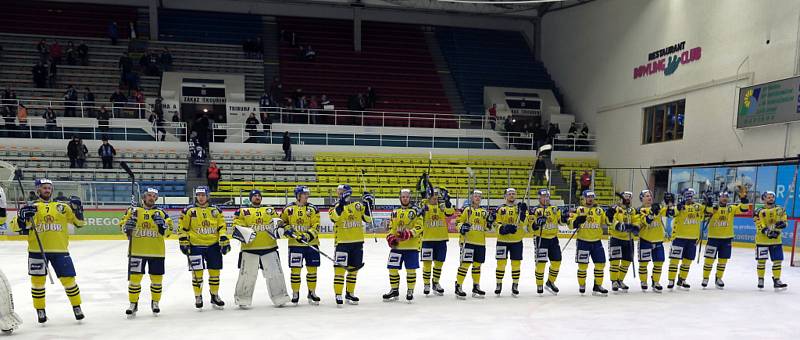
374,118
82,109
120,130
572,143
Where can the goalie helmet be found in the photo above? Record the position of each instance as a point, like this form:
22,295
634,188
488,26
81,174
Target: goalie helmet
253,193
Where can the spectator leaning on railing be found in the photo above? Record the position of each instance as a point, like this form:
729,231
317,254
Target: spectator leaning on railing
50,122
103,118
70,101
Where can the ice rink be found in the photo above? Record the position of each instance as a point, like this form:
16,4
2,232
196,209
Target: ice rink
739,311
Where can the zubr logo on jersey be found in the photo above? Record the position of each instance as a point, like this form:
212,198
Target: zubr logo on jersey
667,60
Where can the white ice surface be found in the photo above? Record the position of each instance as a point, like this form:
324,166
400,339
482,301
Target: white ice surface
739,311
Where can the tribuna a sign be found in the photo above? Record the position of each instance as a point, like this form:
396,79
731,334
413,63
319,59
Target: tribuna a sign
667,60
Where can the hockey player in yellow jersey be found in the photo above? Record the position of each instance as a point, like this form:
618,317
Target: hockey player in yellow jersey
510,223
46,223
472,224
770,222
720,235
258,227
435,235
146,227
624,226
403,237
544,223
588,220
348,219
689,215
301,219
651,236
203,239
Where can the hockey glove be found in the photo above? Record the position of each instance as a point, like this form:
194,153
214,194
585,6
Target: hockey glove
224,244
289,233
490,217
610,212
368,199
579,221
708,200
649,219
419,211
780,225
25,215
391,239
632,228
184,244
404,234
77,207
619,227
507,229
129,226
445,194
465,228
681,205
656,208
669,198
540,222
743,194
160,223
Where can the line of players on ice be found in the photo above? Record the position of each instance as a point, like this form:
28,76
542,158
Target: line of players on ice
414,231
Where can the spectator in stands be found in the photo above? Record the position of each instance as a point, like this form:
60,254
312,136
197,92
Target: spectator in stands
309,54
201,126
259,48
539,169
264,102
50,122
56,52
39,75
327,105
584,131
541,135
248,47
88,103
165,60
314,109
70,101
72,151
573,130
83,54
103,117
125,66
371,97
287,147
586,180
493,116
118,101
158,126
213,174
138,98
251,127
71,53
266,125
22,120
113,32
508,124
132,30
199,160
83,153
106,152
44,51
52,72
32,196
553,131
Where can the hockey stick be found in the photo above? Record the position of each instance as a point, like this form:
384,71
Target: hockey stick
18,177
369,206
633,244
316,249
706,220
133,205
570,239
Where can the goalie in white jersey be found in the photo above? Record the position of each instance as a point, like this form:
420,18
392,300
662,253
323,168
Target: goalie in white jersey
257,227
9,321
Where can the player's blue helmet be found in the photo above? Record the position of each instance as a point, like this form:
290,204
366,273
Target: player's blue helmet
588,193
253,193
544,192
509,190
150,190
301,189
724,193
346,190
765,193
642,193
202,190
689,193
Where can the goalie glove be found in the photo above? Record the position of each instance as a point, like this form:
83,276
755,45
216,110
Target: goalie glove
244,234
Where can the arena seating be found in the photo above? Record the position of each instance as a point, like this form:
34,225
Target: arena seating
479,58
65,19
383,140
385,175
208,27
394,60
603,186
101,75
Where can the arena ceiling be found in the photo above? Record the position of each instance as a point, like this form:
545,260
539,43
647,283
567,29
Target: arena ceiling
495,7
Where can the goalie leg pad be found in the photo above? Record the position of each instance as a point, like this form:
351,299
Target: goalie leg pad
276,282
245,284
9,320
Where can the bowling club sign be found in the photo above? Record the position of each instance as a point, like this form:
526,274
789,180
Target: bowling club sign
667,60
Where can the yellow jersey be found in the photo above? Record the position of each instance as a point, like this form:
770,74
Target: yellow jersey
476,217
434,222
687,221
203,226
348,227
766,218
406,218
146,240
720,225
51,221
508,214
654,230
592,229
302,219
554,218
258,219
623,214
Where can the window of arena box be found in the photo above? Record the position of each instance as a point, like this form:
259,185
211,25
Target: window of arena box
663,122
